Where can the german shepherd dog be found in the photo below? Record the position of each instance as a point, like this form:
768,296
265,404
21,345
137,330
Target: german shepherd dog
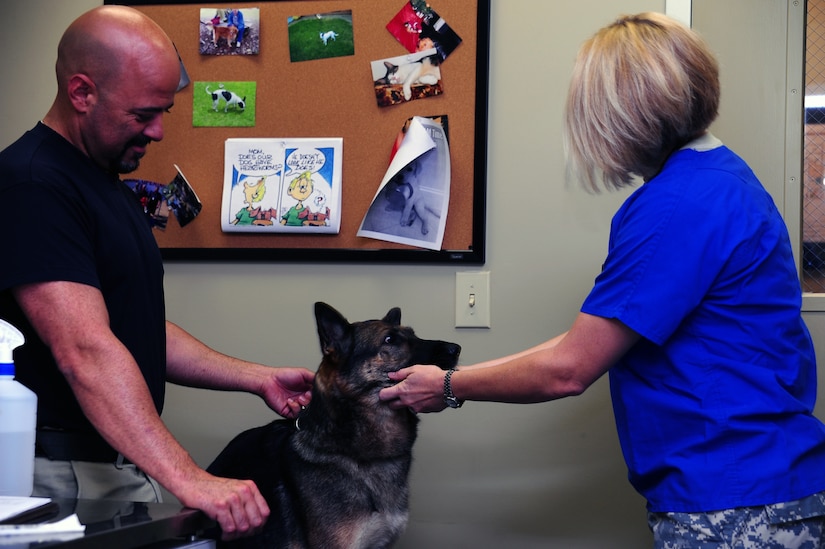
337,477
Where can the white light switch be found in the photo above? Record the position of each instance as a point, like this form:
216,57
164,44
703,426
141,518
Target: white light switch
472,299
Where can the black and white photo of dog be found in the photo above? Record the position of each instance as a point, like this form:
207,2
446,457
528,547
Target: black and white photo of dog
408,195
337,477
230,98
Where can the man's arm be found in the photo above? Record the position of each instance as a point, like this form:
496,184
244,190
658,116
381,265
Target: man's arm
73,321
190,362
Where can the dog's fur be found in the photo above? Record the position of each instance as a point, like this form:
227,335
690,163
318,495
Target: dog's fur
327,36
338,476
231,99
230,34
413,202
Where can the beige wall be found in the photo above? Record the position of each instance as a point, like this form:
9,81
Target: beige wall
488,475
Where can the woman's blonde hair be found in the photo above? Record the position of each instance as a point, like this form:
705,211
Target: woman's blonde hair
641,88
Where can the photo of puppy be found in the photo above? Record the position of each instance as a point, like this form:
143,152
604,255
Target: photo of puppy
231,99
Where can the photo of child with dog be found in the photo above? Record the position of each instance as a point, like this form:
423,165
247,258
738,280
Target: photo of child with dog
230,31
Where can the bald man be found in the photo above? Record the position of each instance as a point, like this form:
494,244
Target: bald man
83,280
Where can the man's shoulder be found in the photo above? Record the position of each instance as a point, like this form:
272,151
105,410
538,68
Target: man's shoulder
27,145
39,155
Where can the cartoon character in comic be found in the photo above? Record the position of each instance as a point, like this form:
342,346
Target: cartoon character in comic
320,217
300,189
250,214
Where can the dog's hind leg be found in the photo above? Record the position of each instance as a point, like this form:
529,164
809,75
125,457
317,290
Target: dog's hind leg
424,227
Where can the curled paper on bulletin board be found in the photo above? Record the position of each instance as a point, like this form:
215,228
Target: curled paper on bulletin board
410,206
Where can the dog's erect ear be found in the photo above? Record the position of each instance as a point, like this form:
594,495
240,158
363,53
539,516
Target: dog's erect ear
393,317
332,327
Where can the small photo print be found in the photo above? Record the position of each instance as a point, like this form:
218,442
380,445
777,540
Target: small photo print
150,195
407,78
320,35
418,27
182,199
224,104
230,31
157,200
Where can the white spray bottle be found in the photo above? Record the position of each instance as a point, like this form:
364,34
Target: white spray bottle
18,420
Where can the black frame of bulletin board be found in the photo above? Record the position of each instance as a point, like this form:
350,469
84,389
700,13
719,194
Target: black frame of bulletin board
465,234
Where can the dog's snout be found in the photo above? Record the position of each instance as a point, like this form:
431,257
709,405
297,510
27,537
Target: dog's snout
447,354
432,351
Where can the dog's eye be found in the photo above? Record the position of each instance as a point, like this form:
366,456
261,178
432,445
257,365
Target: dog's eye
389,340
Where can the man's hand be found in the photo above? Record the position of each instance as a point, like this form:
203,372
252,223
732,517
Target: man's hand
237,505
287,390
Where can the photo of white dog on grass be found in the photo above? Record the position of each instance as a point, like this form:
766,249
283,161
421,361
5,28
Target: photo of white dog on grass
320,35
224,104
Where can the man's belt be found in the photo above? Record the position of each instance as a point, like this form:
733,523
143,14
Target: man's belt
74,446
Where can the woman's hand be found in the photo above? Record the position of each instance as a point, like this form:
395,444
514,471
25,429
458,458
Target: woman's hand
420,388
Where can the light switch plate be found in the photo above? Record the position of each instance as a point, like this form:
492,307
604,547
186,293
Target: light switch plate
472,299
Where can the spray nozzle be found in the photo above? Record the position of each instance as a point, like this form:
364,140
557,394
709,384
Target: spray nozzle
10,339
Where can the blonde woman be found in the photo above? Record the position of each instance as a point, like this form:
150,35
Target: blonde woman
695,315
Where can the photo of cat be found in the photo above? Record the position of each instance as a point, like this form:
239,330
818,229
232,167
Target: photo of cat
407,78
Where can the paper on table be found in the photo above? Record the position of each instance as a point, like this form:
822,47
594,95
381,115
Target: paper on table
65,529
13,505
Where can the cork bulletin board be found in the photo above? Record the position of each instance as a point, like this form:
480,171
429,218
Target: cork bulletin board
331,97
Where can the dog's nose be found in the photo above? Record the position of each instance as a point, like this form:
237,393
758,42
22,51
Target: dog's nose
451,352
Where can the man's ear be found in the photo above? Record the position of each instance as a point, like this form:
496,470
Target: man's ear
82,92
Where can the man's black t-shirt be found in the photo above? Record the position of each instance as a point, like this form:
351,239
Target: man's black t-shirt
63,218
